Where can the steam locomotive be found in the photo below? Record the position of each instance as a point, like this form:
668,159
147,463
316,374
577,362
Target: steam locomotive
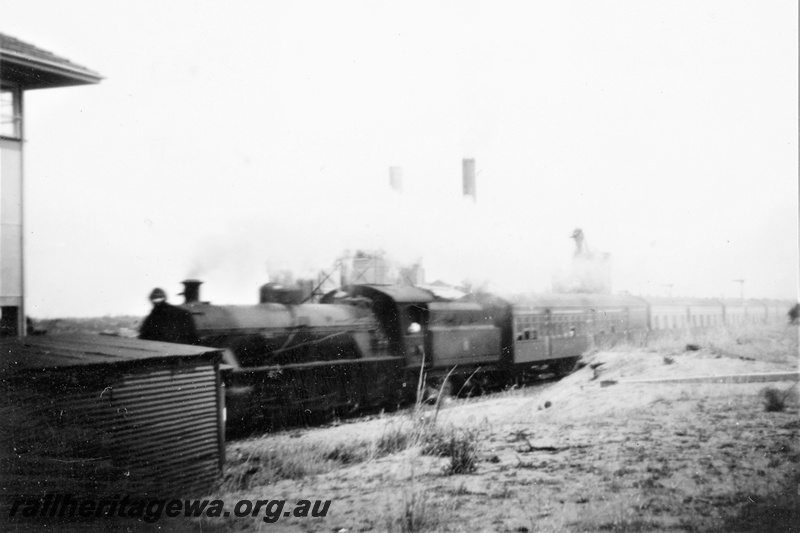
367,344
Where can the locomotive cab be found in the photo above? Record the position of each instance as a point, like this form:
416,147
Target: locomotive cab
438,328
414,327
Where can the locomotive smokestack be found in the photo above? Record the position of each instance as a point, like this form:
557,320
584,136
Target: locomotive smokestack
191,291
396,179
468,168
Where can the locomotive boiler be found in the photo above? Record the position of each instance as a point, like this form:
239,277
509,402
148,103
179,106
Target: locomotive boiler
284,359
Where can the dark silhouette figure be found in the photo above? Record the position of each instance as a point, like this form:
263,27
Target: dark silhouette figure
794,314
167,323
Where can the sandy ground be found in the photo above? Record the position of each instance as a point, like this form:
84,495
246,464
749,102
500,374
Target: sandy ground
625,457
573,455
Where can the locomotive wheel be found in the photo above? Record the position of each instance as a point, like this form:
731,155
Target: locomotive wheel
318,416
467,388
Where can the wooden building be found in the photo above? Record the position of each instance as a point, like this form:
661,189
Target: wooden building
23,67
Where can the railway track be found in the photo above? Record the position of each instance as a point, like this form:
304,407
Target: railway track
309,421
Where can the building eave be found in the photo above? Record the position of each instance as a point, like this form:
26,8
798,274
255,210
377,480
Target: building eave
37,73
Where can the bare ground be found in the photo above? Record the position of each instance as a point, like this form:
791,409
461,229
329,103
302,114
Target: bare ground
568,456
626,457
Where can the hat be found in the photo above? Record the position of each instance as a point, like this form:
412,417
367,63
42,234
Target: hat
158,295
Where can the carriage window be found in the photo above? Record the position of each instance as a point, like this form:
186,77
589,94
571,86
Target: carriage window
520,327
527,334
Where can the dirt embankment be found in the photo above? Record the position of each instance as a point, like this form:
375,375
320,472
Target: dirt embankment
573,456
597,451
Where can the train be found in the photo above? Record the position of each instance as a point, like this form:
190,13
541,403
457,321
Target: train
380,345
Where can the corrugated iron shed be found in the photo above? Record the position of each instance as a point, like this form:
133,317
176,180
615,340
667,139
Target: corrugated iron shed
98,415
34,68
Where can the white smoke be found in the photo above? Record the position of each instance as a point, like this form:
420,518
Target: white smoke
456,239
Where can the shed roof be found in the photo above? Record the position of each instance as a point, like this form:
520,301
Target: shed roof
62,351
34,68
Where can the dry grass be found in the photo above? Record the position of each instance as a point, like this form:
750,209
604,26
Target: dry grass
265,462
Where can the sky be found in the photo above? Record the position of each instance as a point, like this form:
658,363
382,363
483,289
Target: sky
231,140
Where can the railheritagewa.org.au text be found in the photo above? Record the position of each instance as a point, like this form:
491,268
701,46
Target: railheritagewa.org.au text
153,510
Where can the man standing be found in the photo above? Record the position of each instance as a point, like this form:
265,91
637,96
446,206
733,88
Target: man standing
167,323
794,313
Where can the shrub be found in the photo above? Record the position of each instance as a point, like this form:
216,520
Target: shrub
394,440
775,399
460,445
417,512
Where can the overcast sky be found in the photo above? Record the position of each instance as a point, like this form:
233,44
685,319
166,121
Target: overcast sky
232,138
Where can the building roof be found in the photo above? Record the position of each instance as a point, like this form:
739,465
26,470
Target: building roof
681,301
34,68
63,351
579,300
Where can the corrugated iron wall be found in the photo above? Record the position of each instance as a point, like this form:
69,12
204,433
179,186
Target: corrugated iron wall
171,429
154,431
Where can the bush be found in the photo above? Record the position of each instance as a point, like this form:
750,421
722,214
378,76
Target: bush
775,399
394,440
460,445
